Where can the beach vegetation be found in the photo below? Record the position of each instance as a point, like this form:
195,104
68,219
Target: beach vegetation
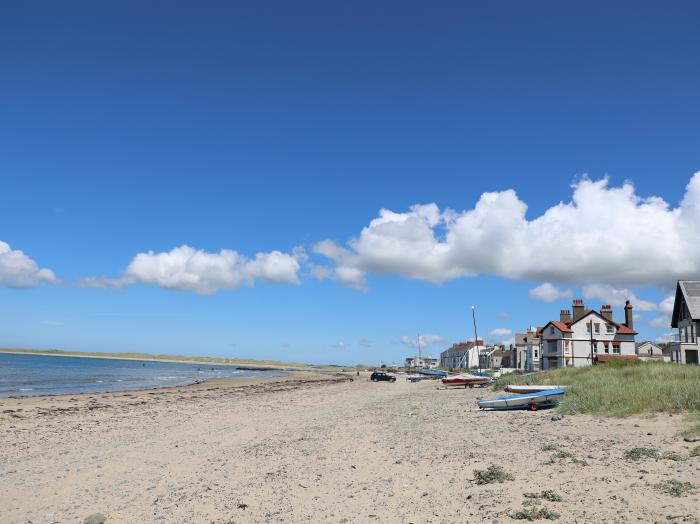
550,447
491,475
535,513
641,453
547,494
622,388
695,452
675,488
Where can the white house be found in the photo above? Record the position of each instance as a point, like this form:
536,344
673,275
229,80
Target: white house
649,351
462,355
422,362
686,317
527,349
587,337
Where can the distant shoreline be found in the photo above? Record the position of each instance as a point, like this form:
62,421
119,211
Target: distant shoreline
240,364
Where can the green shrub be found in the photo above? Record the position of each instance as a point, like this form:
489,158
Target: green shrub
641,453
675,488
491,475
546,494
535,513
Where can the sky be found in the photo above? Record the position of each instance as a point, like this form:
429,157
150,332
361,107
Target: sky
324,182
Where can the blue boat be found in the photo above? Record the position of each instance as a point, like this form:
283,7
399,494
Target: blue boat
532,401
433,373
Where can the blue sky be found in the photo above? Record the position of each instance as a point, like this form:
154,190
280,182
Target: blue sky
130,127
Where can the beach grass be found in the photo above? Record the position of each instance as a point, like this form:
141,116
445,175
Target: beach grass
622,389
147,356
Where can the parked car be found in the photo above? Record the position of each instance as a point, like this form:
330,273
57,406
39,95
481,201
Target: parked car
380,376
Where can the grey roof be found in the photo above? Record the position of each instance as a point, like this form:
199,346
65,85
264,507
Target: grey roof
689,290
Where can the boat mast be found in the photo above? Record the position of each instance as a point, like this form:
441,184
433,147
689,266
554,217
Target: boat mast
476,340
418,359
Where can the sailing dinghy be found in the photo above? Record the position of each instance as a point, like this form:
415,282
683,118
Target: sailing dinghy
464,380
530,388
533,401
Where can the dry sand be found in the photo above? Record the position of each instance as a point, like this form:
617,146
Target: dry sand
310,448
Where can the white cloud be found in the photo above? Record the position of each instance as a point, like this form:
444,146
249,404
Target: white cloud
499,333
547,292
187,269
17,270
663,321
365,343
617,296
667,303
666,337
503,315
604,235
339,345
425,340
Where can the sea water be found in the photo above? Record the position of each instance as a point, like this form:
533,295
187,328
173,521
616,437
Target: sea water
31,375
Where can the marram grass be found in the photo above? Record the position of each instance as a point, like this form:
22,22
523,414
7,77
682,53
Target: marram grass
621,389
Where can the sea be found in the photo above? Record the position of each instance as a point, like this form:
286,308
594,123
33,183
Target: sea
24,375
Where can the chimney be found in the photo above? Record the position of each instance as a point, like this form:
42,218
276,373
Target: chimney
606,311
629,322
578,308
565,316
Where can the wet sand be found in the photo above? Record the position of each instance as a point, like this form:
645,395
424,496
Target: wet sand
314,447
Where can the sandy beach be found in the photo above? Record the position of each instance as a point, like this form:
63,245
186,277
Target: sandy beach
315,447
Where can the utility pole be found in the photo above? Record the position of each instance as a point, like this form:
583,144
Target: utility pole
476,340
590,329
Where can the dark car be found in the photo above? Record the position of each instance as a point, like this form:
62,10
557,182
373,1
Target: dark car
380,376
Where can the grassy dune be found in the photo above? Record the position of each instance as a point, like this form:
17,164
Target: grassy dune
621,389
146,356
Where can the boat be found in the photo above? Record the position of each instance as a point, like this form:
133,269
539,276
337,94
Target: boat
533,401
432,373
465,380
530,388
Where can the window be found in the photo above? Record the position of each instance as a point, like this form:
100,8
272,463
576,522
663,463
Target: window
588,328
610,328
597,328
566,346
607,347
535,353
616,348
551,330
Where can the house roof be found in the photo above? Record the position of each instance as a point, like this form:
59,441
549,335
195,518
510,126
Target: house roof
561,326
687,291
640,344
565,327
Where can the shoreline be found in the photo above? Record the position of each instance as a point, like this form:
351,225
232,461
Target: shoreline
243,365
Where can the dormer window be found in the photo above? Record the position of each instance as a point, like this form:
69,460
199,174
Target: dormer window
610,329
551,330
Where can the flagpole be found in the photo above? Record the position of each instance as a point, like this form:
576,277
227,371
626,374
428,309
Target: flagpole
476,340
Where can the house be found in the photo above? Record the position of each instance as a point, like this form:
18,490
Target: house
462,355
587,337
422,362
649,351
684,348
527,350
496,357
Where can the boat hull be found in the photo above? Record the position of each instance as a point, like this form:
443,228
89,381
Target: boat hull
533,388
531,400
465,380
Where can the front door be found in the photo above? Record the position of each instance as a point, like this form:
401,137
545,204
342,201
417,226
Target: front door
691,356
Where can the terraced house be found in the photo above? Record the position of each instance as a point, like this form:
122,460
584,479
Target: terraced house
587,337
686,317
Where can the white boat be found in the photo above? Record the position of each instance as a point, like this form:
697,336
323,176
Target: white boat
530,388
530,400
464,380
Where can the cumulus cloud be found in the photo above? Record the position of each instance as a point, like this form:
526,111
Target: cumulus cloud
604,235
187,269
17,270
548,292
661,322
425,340
499,333
617,296
667,303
